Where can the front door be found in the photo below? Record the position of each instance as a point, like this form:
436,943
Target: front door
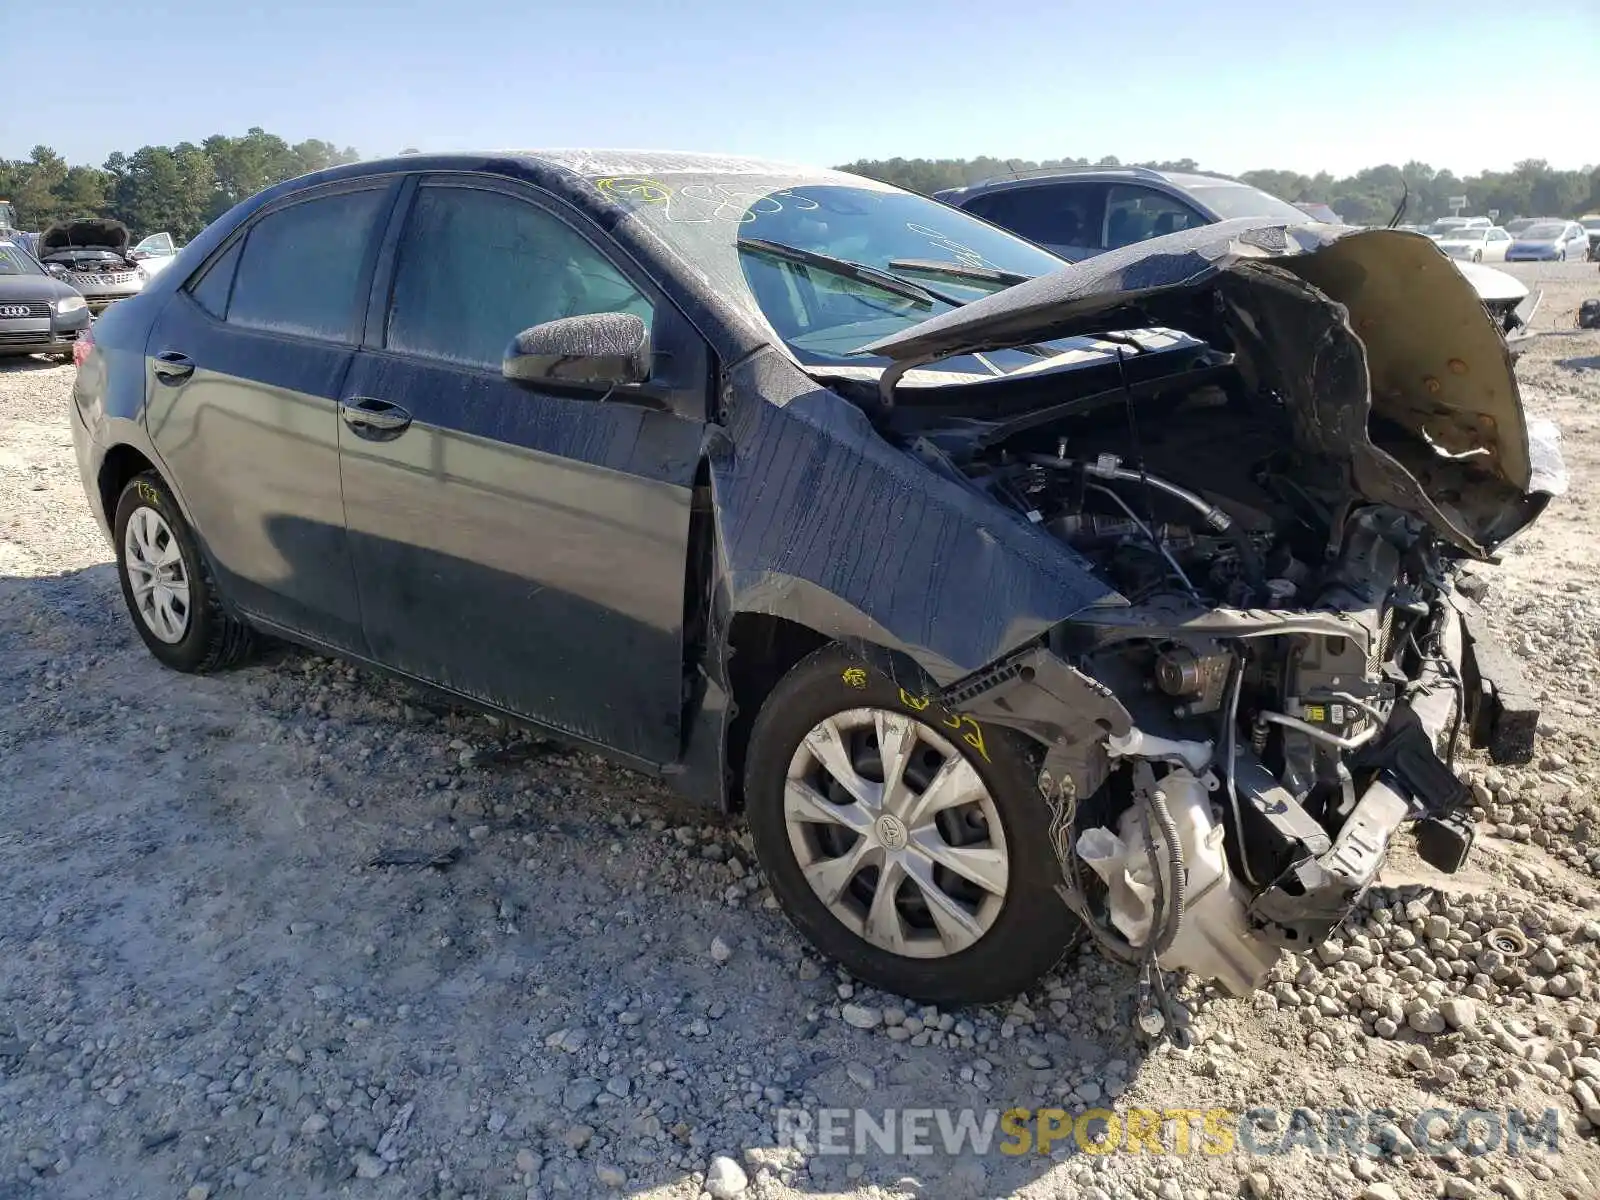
246,364
520,547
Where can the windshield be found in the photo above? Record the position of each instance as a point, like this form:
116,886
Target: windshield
719,222
16,261
1230,200
1462,233
1548,232
1591,223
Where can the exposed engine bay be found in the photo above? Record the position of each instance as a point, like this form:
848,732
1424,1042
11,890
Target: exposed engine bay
1280,673
93,256
1215,519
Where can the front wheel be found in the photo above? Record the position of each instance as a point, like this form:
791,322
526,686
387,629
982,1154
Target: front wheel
166,585
1477,256
907,842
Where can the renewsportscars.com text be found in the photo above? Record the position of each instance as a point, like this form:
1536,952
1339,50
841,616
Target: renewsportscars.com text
1176,1131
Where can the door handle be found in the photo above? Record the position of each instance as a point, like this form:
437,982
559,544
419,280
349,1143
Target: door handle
373,418
172,367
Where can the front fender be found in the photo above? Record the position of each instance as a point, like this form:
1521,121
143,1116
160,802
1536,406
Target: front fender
821,521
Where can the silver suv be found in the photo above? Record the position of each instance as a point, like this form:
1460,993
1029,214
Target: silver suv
1080,213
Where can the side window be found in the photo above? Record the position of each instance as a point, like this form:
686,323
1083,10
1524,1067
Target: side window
476,268
1052,214
300,270
1134,214
210,290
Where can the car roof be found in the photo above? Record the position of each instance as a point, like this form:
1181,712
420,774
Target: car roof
571,171
1024,179
588,162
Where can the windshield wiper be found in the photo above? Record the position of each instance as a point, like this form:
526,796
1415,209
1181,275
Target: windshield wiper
850,269
955,270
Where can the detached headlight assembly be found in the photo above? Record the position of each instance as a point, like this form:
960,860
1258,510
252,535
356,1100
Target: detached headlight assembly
70,304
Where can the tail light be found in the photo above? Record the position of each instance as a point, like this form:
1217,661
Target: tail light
84,344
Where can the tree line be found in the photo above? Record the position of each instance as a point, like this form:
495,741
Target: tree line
1531,188
182,188
179,188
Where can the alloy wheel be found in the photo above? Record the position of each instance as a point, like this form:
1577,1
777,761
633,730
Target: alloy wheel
896,833
157,575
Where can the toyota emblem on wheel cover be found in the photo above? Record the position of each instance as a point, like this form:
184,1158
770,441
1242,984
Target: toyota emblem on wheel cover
15,310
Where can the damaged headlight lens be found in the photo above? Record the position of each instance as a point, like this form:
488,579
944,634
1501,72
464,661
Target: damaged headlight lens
70,304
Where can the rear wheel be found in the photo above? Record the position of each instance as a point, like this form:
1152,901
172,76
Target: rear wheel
167,586
907,842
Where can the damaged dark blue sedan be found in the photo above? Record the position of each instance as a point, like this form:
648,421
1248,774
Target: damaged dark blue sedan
1009,601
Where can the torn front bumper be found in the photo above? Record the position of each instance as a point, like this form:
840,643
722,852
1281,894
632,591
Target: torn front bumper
1290,881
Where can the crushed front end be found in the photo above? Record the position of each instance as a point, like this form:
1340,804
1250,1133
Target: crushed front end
1287,665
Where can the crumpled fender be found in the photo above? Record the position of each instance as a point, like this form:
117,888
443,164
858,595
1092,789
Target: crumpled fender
822,522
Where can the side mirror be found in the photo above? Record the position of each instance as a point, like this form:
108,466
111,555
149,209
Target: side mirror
602,350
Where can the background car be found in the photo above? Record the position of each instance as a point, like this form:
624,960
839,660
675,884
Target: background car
1476,243
1517,224
154,253
1549,241
1080,213
92,255
1591,227
38,313
1446,226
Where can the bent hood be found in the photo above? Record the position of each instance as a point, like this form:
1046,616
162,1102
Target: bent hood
1379,345
85,233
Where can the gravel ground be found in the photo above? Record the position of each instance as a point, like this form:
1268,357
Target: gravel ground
208,990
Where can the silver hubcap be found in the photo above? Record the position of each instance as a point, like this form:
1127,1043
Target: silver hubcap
157,575
896,833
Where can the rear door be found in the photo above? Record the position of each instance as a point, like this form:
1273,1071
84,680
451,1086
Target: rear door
246,365
519,546
1063,217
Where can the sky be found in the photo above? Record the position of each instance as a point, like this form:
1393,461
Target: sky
1233,84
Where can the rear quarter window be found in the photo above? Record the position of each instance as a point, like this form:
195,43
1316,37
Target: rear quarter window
302,267
211,287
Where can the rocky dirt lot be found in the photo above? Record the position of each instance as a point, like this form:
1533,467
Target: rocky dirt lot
207,988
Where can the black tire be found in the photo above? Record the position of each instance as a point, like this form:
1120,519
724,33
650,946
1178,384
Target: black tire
1033,929
212,639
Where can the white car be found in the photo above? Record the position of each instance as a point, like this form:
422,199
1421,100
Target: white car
1449,226
154,252
1476,243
